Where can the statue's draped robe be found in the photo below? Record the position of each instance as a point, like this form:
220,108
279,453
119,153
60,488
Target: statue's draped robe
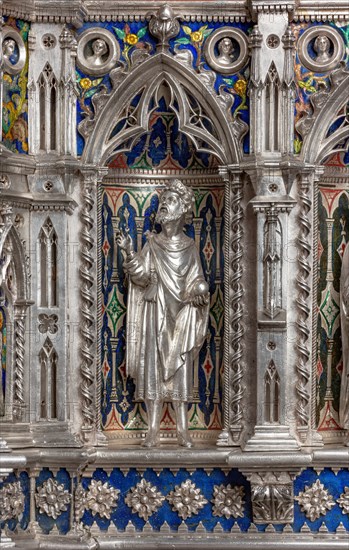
164,330
344,302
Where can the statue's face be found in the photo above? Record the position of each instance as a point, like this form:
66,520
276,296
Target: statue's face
225,46
99,47
9,47
170,206
322,44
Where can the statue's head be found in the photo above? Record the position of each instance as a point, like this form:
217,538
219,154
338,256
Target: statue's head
175,201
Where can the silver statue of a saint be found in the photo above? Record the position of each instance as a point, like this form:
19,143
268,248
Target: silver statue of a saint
344,304
167,312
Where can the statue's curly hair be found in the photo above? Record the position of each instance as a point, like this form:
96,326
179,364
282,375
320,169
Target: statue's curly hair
185,193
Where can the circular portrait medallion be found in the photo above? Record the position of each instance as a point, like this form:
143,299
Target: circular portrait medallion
98,51
226,50
13,51
320,48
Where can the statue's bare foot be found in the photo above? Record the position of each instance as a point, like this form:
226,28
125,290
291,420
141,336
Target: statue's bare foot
151,440
184,441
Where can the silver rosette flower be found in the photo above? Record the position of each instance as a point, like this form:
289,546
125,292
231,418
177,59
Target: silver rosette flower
228,501
144,499
186,499
343,501
315,501
101,498
11,501
52,498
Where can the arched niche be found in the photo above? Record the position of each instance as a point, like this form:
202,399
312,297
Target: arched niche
129,198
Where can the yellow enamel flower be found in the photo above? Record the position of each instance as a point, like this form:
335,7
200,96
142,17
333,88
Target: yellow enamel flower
197,36
7,78
131,39
85,83
240,87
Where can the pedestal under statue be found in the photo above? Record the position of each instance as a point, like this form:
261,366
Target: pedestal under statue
167,312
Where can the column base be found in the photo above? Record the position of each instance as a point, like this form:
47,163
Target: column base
271,438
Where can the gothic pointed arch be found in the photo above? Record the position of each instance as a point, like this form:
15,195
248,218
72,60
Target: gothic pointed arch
123,116
326,129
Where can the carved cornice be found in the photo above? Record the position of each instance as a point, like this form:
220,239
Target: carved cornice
78,11
57,203
46,11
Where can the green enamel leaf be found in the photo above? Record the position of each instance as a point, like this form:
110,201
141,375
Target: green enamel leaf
119,33
96,81
186,29
311,89
228,81
183,41
301,84
91,92
207,32
141,32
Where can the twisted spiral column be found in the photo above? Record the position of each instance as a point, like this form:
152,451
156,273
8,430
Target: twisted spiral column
236,312
20,309
303,366
87,272
233,312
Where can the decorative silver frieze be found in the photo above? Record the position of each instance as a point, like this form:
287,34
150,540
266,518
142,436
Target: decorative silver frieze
186,499
101,498
144,499
327,45
11,501
315,501
343,501
232,47
98,51
52,498
228,501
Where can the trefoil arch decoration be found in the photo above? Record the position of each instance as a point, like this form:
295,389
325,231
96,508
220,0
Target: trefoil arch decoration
103,136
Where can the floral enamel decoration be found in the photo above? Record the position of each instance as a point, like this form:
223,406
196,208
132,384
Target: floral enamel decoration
186,499
131,40
343,501
228,501
101,498
195,38
52,498
144,499
11,501
315,501
239,89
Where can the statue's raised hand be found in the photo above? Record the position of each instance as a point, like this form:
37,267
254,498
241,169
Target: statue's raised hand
124,241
